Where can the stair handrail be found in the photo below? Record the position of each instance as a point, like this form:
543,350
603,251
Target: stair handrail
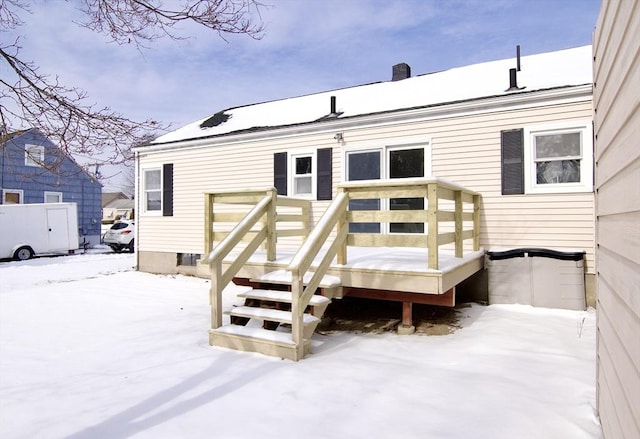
305,256
220,279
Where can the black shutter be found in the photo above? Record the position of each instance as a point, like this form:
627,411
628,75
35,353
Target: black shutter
280,172
512,145
167,189
325,166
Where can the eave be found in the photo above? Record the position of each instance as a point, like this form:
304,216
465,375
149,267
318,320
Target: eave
519,100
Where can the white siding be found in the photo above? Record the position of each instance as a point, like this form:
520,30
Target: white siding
197,170
465,150
617,128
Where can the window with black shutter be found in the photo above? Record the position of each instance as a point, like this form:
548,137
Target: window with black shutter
512,156
311,174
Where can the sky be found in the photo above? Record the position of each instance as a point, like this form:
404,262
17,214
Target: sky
91,349
308,46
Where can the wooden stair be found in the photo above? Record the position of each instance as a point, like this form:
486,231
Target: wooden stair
262,324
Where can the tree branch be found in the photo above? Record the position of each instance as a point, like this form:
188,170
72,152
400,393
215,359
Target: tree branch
31,99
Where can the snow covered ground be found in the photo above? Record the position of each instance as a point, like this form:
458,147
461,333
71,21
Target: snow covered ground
90,348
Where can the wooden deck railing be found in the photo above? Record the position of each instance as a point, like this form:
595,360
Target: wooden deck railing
465,207
255,227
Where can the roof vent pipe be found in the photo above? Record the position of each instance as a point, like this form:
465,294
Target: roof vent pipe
518,57
513,80
333,105
401,71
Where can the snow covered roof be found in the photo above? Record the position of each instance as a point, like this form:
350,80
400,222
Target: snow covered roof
563,68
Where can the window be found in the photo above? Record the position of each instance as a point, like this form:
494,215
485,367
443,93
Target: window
53,197
12,196
308,174
152,187
157,190
391,162
33,155
302,173
190,259
406,163
364,165
558,159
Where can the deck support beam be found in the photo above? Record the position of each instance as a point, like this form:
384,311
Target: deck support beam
446,299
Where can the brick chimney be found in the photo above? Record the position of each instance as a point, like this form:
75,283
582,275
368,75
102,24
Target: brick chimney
401,71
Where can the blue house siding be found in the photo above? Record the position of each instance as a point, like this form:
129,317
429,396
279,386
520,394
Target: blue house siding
59,174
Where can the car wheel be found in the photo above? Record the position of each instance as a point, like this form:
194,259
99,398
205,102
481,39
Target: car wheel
131,247
23,253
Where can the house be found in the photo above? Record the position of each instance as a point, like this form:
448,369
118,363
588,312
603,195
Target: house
116,205
34,170
617,126
108,197
490,155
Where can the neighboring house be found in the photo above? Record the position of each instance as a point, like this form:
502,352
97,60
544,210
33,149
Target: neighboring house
34,170
617,127
116,205
108,197
521,138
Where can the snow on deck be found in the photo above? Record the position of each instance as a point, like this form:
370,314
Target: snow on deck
400,259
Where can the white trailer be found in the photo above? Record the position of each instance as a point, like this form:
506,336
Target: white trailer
27,230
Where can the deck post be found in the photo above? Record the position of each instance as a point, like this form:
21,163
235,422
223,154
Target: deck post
341,224
208,220
406,327
457,195
297,287
215,299
476,223
271,225
407,313
432,218
306,220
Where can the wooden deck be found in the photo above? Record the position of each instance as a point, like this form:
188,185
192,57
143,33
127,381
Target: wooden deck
335,259
379,272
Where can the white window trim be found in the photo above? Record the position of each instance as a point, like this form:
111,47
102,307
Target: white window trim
407,143
47,193
345,162
585,127
143,191
292,173
6,191
29,153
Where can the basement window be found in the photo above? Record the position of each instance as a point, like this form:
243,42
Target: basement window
190,259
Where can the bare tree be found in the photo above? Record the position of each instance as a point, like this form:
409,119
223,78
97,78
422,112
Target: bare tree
30,98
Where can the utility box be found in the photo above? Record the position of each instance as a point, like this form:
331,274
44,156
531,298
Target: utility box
27,230
538,277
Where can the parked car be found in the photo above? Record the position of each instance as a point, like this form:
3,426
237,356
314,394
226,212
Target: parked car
121,236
